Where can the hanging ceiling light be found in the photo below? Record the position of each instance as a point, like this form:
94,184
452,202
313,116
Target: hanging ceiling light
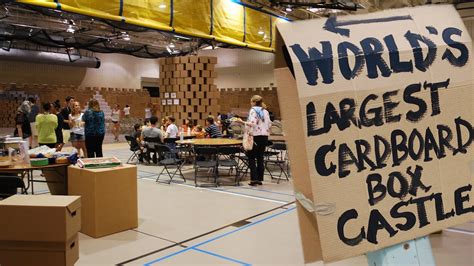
162,6
260,31
70,29
171,45
125,36
288,9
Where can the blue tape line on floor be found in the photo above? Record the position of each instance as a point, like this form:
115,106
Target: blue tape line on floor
221,257
219,236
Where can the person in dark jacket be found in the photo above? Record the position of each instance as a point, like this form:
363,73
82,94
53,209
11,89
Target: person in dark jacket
22,123
94,129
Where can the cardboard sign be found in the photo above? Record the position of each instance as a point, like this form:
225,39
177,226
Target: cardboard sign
384,104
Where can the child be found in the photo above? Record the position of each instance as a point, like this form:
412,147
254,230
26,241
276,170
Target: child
199,132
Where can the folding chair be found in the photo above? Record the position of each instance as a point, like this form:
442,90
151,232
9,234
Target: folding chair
280,160
228,158
208,156
151,149
9,186
134,148
168,159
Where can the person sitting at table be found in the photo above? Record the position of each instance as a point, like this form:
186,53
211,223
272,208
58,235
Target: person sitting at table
199,132
212,130
188,125
152,132
164,124
146,124
136,143
171,129
46,125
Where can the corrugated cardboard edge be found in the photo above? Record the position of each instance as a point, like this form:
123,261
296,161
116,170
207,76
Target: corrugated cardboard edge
291,116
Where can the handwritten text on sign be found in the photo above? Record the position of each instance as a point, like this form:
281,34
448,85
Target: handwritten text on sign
388,114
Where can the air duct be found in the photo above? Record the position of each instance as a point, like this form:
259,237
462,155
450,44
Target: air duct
40,57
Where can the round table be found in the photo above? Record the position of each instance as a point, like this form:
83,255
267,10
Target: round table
53,173
211,142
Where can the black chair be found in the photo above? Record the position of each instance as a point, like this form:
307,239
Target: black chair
134,148
9,186
228,157
206,157
280,159
150,148
168,159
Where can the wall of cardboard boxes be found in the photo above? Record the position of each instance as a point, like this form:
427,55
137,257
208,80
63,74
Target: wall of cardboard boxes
11,96
237,100
187,88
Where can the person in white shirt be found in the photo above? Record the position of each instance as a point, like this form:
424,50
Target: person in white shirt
171,130
126,111
258,123
77,129
148,111
115,117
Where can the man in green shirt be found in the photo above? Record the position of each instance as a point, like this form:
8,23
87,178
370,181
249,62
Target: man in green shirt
46,124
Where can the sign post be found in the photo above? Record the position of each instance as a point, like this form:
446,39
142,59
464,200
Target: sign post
381,111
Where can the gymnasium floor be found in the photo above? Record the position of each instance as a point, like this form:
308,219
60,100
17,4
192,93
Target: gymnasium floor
183,225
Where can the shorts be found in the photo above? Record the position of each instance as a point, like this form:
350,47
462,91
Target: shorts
34,131
76,137
66,134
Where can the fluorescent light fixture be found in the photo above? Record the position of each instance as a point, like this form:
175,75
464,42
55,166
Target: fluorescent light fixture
70,29
210,47
124,36
162,6
315,9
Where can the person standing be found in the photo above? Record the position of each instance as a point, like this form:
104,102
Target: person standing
126,111
94,120
148,111
65,112
59,129
32,118
22,124
76,126
115,117
258,123
46,124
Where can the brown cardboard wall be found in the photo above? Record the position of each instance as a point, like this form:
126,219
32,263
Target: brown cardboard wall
11,96
237,100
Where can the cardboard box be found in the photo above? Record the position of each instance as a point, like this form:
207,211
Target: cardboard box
199,66
347,209
40,218
109,198
213,60
30,253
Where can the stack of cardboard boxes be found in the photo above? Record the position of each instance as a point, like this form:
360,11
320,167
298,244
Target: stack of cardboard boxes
187,87
39,230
